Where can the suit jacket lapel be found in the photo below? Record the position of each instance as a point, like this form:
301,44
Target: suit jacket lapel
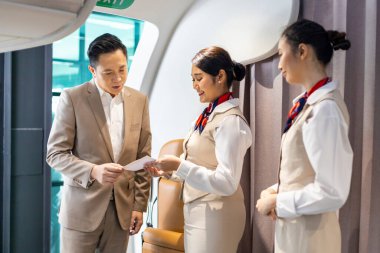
97,109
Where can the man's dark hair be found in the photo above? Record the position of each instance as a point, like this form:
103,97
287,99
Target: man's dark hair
103,44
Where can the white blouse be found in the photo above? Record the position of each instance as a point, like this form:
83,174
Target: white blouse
325,137
232,139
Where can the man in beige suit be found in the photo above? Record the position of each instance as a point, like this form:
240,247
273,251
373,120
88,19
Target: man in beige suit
100,126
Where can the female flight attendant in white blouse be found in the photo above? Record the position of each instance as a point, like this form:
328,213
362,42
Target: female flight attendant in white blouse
316,155
211,164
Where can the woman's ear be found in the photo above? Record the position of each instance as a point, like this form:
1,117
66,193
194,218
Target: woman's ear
222,76
303,50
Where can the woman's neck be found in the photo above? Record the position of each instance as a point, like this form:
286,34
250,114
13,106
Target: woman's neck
313,78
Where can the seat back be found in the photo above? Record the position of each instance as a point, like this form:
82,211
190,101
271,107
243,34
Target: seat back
170,204
173,147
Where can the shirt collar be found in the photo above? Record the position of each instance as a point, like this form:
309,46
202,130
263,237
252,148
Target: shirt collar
316,95
104,94
224,107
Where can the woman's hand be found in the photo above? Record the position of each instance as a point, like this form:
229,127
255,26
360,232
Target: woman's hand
267,204
166,163
264,194
267,192
154,172
163,166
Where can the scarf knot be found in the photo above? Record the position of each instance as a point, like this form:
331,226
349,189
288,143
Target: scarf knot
203,118
300,104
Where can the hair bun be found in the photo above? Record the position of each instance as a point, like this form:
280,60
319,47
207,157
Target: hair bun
238,71
338,40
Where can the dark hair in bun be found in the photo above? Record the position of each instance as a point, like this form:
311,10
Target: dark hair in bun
338,40
212,59
313,34
238,71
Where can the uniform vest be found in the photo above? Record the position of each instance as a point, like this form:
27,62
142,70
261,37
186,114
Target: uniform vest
200,149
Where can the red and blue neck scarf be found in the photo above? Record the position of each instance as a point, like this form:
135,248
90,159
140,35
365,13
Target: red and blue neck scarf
202,119
299,105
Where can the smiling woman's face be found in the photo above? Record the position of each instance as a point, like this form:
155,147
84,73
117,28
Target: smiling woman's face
206,85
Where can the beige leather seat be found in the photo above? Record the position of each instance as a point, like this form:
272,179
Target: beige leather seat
168,236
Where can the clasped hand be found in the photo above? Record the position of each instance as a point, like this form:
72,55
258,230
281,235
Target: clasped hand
163,166
267,203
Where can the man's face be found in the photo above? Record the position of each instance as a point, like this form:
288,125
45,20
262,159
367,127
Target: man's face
111,72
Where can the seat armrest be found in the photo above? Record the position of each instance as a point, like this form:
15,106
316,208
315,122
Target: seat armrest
164,238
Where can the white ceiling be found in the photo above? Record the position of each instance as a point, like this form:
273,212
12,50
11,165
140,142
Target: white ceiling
248,29
30,23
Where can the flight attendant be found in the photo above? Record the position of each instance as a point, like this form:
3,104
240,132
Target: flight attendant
212,162
316,155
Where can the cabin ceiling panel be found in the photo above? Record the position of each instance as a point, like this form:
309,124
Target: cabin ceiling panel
31,23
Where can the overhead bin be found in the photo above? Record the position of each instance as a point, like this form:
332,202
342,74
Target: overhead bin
31,23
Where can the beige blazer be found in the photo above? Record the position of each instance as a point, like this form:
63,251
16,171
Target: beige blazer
79,139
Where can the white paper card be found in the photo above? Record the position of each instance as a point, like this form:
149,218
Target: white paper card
138,164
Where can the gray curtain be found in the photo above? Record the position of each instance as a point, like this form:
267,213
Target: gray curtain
267,99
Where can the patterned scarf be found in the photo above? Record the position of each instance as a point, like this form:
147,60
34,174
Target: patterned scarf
299,105
202,119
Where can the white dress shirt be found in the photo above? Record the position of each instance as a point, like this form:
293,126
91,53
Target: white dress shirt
232,139
325,136
114,111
